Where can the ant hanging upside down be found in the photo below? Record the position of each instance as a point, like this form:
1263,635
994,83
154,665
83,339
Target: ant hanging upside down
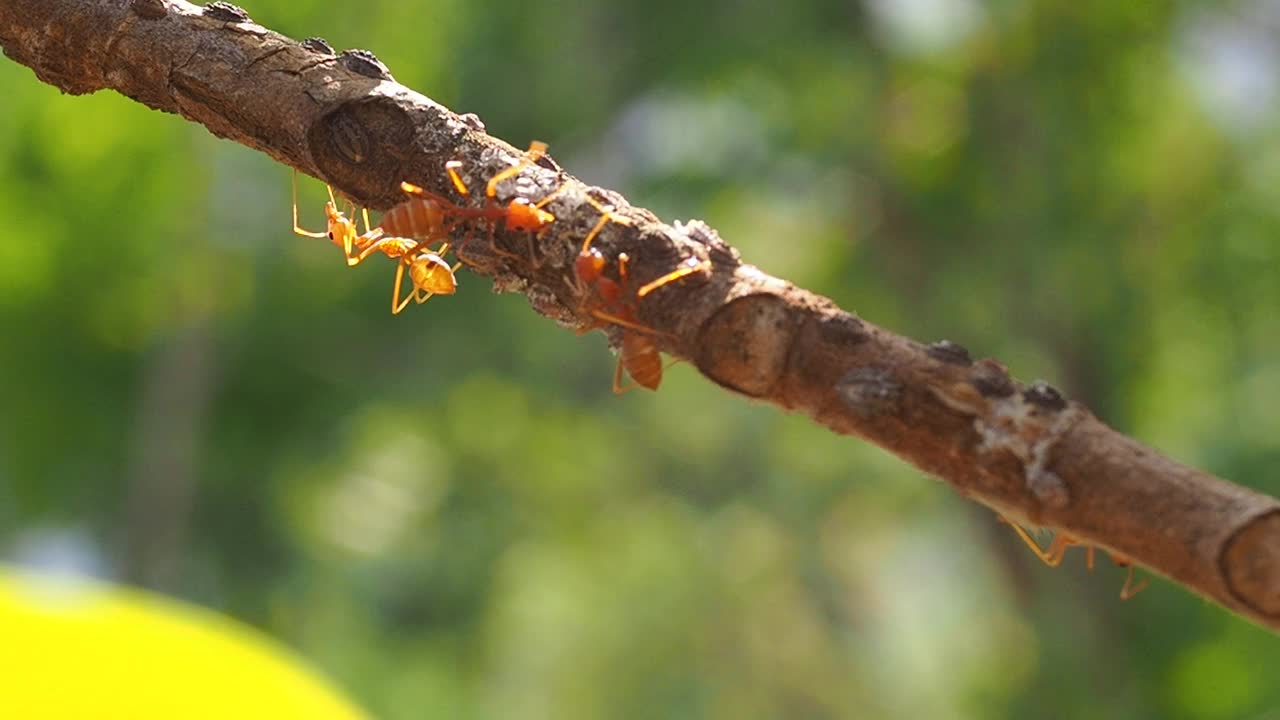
1057,550
408,229
405,234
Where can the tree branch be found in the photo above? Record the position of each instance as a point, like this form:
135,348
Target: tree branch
1021,450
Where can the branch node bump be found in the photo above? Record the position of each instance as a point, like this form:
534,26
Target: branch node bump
1250,564
149,9
318,44
472,121
945,351
991,380
1044,396
226,12
363,62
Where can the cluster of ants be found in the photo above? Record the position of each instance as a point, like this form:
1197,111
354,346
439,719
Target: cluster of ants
408,231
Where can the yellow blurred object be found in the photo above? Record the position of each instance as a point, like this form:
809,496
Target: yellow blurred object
76,649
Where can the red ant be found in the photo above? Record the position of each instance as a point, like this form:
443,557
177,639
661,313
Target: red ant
518,215
638,353
1057,550
608,304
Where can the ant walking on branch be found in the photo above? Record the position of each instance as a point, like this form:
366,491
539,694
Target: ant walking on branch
518,215
611,302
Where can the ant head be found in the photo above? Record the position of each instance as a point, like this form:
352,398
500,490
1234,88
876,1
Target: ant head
523,216
340,228
589,265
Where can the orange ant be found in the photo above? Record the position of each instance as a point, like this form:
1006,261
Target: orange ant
638,354
1057,550
428,271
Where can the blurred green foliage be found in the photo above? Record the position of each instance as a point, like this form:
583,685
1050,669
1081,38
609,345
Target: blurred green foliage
450,513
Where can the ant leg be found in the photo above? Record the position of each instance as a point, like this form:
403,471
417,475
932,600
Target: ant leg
409,188
493,245
1130,589
688,267
452,227
618,387
629,324
550,196
296,229
1058,548
623,260
396,305
452,168
352,242
606,216
1051,557
623,279
1088,557
369,243
536,150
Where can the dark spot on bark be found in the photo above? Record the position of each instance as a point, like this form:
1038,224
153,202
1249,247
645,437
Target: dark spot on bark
1043,395
472,121
364,147
548,162
349,138
363,62
991,380
225,11
149,9
842,331
948,352
193,90
318,45
870,391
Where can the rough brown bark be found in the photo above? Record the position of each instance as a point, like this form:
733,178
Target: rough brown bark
1021,450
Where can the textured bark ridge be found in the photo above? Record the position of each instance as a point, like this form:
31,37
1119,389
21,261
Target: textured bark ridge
1022,450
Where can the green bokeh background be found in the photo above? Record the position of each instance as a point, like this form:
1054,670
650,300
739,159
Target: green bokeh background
451,514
